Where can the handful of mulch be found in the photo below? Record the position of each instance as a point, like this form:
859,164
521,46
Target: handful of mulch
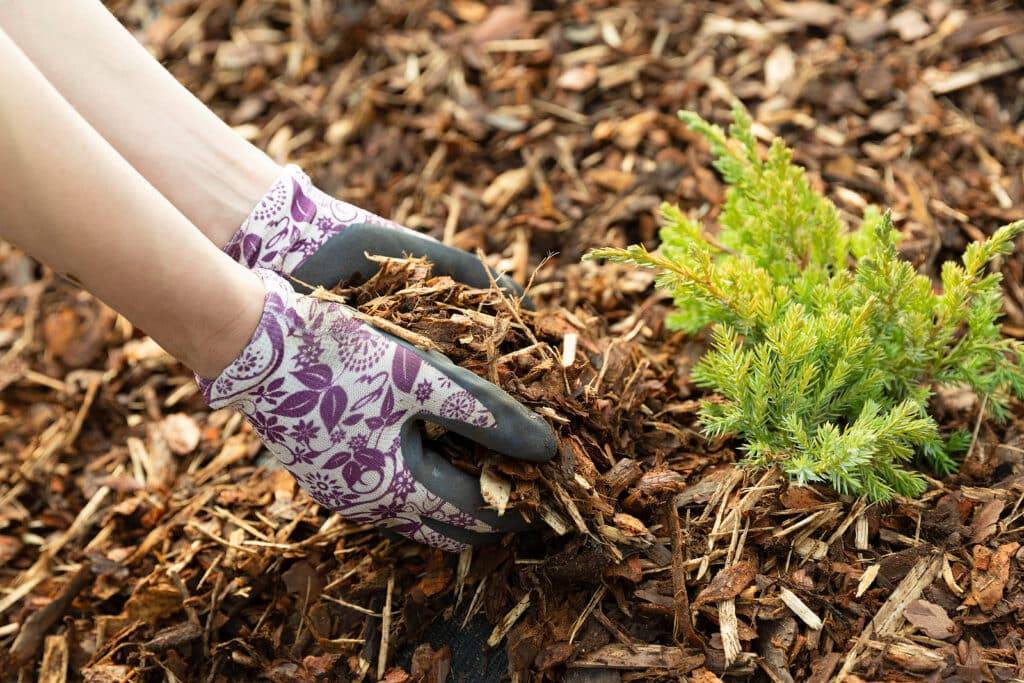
615,394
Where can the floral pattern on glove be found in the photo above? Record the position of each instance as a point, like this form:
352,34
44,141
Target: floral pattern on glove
292,221
330,395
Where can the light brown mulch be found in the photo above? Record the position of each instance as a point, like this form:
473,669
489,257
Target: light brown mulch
143,537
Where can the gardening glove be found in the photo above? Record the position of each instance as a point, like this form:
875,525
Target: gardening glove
340,405
298,230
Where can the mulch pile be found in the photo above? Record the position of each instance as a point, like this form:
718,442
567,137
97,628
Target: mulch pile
143,537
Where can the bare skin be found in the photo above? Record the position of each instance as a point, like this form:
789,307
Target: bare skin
69,199
210,173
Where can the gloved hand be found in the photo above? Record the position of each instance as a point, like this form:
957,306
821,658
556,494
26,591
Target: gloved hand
298,230
339,402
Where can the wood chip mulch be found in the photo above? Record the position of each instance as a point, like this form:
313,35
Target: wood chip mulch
143,537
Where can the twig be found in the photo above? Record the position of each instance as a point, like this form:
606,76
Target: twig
385,629
596,598
977,428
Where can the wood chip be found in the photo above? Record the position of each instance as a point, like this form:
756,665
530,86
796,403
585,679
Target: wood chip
616,656
800,609
942,84
494,488
930,618
866,579
729,630
508,621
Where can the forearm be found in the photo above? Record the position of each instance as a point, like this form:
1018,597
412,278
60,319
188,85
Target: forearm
205,169
71,201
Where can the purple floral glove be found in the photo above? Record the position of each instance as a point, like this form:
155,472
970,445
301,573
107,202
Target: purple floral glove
292,221
339,403
298,230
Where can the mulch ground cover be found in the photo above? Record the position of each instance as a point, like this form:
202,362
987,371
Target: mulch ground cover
143,537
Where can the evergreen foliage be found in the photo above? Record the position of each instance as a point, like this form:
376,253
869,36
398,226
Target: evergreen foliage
825,344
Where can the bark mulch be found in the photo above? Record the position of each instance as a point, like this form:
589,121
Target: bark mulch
143,537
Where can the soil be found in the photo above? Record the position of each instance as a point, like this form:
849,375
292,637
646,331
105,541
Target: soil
144,537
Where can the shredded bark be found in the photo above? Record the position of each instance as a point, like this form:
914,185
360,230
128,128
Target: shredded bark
144,537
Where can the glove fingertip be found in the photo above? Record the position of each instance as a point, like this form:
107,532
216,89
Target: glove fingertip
519,433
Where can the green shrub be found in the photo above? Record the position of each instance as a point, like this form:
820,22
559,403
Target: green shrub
825,345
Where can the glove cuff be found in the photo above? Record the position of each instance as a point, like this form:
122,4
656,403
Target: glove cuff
291,222
262,355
